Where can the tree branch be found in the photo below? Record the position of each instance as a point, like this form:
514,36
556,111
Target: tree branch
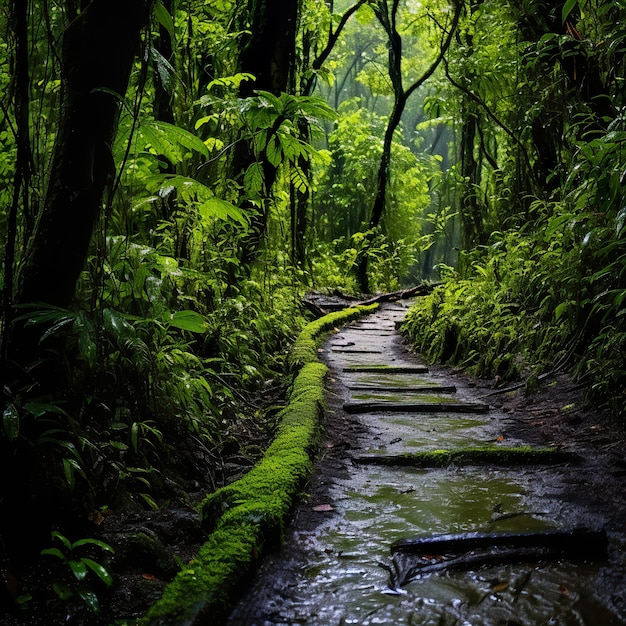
442,52
332,40
478,100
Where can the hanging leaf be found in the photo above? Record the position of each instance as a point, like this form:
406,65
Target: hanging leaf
230,81
170,140
165,70
11,422
165,19
568,7
223,210
119,329
100,571
253,179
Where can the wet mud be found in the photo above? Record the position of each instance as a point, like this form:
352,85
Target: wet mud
334,565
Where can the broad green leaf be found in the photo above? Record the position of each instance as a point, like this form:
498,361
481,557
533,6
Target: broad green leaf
188,320
165,70
89,541
53,552
568,7
69,465
79,569
253,179
55,534
223,210
230,81
120,329
100,571
165,19
169,140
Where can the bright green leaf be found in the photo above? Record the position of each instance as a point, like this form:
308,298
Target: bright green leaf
188,320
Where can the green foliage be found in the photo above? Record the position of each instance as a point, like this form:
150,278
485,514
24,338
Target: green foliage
83,570
345,192
246,517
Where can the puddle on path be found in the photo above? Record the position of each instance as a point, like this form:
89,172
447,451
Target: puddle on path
331,572
341,580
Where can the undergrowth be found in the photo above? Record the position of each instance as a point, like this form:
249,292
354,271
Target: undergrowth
246,517
532,303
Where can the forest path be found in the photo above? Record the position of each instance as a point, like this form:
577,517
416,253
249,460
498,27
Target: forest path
384,406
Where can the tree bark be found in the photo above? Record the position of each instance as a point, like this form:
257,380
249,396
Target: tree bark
98,51
269,55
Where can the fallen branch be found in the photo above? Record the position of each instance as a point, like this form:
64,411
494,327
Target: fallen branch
419,290
416,557
500,456
581,540
540,378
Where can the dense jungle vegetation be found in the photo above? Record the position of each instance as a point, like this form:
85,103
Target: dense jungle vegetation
176,175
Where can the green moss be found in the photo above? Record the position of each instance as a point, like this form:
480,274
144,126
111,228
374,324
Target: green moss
244,518
305,347
387,369
487,455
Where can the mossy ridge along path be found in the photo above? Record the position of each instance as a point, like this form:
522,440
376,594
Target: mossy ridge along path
389,476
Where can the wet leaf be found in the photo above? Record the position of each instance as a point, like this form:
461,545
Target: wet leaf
500,587
323,508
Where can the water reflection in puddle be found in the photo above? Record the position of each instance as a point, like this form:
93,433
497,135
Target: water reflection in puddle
345,582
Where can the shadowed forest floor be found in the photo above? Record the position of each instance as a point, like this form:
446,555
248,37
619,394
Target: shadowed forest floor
149,545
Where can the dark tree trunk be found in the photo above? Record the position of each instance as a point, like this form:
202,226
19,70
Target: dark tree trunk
99,47
471,212
387,17
269,55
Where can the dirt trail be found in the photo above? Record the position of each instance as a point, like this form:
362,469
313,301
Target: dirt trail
335,564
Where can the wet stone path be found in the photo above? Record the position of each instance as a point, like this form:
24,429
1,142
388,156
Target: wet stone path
345,558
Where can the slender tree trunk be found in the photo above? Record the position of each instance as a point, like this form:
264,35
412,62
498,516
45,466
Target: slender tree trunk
23,166
97,57
471,212
387,17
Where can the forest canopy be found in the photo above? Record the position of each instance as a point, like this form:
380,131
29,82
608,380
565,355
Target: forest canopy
176,176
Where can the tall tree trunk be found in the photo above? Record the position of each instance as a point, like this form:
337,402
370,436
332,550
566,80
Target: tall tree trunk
98,50
387,17
470,209
99,47
269,55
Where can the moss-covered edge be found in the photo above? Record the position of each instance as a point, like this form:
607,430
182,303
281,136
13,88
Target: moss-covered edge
488,455
304,349
245,517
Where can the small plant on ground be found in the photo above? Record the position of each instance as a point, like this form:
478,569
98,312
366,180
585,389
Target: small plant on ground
81,575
